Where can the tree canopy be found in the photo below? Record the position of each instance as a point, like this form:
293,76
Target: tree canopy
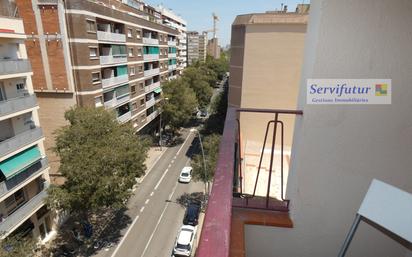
17,246
99,159
197,80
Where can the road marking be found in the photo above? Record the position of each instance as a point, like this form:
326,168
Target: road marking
172,161
158,222
147,201
170,165
160,180
142,209
152,193
137,217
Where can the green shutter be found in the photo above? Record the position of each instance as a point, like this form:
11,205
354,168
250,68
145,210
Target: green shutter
121,70
19,162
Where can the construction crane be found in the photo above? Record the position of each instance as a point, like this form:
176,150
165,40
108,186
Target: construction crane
215,29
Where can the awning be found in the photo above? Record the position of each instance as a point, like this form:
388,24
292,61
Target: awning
17,163
157,90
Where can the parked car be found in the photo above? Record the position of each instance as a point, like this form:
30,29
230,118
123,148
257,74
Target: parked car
185,175
192,214
184,241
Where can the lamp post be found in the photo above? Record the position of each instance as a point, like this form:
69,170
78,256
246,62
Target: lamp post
204,163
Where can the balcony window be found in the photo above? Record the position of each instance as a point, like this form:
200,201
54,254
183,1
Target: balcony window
14,201
91,26
118,50
93,52
96,77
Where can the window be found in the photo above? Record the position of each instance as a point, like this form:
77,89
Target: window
161,66
98,101
133,89
143,117
96,77
139,52
91,26
134,106
138,34
93,51
20,86
130,52
14,201
140,67
161,37
132,71
129,33
141,85
141,101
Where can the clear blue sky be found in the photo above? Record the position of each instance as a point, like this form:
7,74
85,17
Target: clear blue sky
198,13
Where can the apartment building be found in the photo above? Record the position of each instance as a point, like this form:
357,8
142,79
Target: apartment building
337,149
203,46
192,47
24,167
111,54
213,48
171,19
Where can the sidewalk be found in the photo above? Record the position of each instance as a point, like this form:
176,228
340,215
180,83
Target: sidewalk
153,155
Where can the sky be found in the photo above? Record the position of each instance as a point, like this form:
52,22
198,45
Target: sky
198,13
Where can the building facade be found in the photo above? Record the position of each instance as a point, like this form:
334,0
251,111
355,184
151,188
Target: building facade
203,47
213,48
192,47
24,167
111,54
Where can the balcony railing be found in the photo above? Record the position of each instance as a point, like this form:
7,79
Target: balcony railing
152,116
172,55
152,87
172,67
117,101
27,175
150,57
113,81
8,67
171,43
150,41
125,117
112,59
227,191
23,212
110,36
152,72
150,103
20,140
17,104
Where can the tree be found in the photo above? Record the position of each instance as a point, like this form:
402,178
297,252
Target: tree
211,150
99,159
216,121
17,246
198,80
180,105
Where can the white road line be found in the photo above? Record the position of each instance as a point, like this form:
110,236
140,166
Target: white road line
125,235
137,217
152,193
160,180
173,160
147,201
170,165
158,222
142,209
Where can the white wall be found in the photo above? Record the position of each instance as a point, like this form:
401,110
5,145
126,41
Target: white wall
338,150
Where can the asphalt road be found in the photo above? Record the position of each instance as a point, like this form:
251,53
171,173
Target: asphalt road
155,215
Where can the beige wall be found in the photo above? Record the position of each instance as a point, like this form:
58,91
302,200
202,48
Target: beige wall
338,149
273,57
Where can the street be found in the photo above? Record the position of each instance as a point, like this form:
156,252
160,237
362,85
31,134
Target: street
156,217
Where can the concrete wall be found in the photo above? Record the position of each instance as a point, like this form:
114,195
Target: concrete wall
338,150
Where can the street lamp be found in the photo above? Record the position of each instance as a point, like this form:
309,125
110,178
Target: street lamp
204,162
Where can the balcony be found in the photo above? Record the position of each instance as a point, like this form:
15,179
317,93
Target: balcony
171,43
172,67
113,81
14,105
13,27
111,37
152,72
152,116
150,41
152,87
172,55
151,57
117,101
112,59
125,117
24,212
20,140
231,205
150,103
9,67
25,176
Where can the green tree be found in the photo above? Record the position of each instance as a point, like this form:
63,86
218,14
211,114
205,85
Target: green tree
198,80
216,121
100,160
180,105
205,171
17,246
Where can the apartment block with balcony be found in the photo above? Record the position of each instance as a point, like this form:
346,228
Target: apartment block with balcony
83,51
192,47
337,150
23,165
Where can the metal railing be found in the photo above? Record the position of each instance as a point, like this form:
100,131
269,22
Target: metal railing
14,66
152,87
152,116
115,81
110,36
150,41
150,103
125,117
24,176
152,72
17,104
112,59
24,212
20,140
150,57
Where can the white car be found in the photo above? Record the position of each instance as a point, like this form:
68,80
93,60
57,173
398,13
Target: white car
184,241
185,175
